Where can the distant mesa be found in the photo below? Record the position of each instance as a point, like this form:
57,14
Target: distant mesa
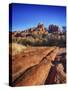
40,29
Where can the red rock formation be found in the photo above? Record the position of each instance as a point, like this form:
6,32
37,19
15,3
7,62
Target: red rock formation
40,29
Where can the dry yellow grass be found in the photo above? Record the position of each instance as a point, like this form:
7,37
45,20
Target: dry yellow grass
16,48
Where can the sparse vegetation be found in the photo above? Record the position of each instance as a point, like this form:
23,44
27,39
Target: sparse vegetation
42,40
16,48
35,50
39,36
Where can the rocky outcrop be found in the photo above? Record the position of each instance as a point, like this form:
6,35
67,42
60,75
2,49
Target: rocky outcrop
40,29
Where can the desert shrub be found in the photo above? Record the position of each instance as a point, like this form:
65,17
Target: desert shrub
53,40
44,35
42,40
37,43
34,36
25,42
14,40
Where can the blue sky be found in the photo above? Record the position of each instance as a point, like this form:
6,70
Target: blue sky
25,16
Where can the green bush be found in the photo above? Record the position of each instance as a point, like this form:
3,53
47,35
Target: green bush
41,40
24,42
